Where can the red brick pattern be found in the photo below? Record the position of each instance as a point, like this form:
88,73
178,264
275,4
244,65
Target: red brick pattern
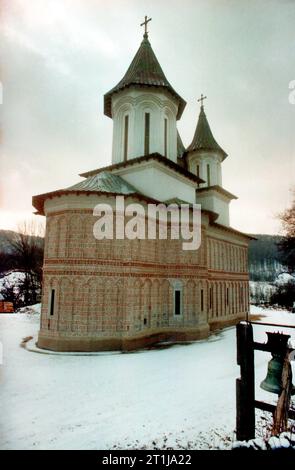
122,288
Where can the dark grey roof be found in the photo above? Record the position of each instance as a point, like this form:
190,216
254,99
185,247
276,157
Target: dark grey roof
105,182
144,70
203,138
180,146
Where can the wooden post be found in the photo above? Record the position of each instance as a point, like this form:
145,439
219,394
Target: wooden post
280,421
245,386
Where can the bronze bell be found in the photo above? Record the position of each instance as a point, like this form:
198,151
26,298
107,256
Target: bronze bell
277,343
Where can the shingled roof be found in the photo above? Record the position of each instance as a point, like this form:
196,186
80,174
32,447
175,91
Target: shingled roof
105,182
102,183
144,70
180,146
203,138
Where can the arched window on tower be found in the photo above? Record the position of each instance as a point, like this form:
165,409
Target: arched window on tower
208,175
126,128
165,137
147,133
198,172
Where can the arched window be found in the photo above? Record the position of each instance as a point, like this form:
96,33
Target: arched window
147,133
208,174
126,128
165,137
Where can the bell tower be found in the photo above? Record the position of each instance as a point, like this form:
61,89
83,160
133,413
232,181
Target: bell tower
204,155
144,108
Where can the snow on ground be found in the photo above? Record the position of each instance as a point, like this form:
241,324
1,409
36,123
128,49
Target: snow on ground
31,309
179,397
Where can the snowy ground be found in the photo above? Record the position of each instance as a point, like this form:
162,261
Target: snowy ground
179,397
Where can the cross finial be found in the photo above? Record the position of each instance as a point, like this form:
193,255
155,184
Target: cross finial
202,99
145,23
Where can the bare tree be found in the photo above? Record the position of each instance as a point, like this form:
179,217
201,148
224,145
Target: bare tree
287,244
28,246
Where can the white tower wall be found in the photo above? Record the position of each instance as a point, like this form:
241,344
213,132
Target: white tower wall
134,103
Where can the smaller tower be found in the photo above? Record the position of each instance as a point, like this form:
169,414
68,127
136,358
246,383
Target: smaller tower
144,108
204,155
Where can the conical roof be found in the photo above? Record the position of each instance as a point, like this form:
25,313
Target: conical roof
144,70
203,138
180,146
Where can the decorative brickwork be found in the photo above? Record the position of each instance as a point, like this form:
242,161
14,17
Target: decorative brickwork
113,294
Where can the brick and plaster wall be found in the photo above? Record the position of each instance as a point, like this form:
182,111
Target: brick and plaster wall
113,294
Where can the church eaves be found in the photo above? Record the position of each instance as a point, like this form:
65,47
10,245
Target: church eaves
144,158
144,70
203,138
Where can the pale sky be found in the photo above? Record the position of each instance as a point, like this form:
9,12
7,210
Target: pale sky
59,57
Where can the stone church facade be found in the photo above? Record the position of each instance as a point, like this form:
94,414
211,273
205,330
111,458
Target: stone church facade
124,294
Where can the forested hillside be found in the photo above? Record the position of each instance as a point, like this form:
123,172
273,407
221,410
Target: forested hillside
264,258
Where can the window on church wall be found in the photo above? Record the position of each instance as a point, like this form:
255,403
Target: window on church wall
241,296
210,298
177,302
208,175
126,130
233,258
202,300
147,133
222,256
52,300
198,173
165,137
227,296
216,295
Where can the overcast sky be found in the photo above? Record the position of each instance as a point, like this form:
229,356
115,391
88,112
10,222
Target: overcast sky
59,57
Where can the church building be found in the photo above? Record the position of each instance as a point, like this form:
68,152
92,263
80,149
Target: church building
113,294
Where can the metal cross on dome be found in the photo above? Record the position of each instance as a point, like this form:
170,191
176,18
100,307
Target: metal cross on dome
145,23
202,99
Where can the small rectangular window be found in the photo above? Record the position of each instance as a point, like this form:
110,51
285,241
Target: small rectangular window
198,174
211,298
52,298
208,174
165,136
177,300
202,300
147,134
227,296
126,125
